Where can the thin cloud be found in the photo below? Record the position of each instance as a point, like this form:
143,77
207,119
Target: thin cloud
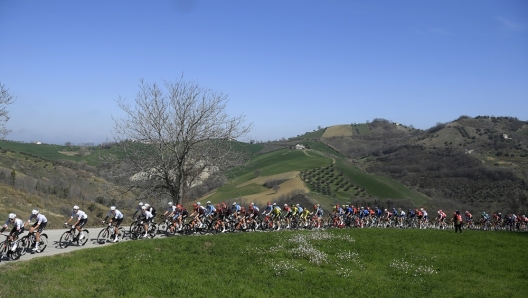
511,25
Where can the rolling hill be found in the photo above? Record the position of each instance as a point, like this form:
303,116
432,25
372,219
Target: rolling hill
471,163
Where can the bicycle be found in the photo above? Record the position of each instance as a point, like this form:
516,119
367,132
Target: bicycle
70,237
7,251
164,226
29,242
108,233
138,231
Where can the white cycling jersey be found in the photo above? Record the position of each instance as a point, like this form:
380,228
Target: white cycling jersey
39,218
147,214
80,215
18,223
117,215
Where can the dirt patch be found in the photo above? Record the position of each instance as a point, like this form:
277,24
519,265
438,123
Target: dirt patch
262,198
344,130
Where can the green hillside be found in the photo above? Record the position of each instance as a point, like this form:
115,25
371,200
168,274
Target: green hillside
323,263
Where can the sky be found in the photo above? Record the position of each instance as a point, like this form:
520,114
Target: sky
288,66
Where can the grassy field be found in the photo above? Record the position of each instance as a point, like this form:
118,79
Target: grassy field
365,262
338,131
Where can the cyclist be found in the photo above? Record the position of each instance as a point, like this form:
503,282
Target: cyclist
170,210
240,218
82,219
300,209
18,228
304,216
145,216
402,217
179,215
254,214
288,214
424,218
275,215
152,210
378,212
268,210
117,216
221,215
469,218
318,211
441,218
138,209
40,224
210,210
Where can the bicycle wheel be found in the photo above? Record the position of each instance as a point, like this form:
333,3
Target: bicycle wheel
153,230
24,243
102,238
43,242
132,225
65,240
83,241
162,227
15,255
121,235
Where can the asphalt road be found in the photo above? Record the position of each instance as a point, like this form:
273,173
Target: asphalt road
53,244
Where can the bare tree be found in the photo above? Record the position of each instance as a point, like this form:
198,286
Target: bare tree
176,135
6,98
276,188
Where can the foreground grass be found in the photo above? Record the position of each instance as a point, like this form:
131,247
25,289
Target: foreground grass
389,263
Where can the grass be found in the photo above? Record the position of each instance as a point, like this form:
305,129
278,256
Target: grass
388,262
379,186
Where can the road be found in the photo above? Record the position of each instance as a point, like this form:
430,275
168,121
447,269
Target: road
53,244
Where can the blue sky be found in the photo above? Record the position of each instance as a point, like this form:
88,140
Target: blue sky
289,66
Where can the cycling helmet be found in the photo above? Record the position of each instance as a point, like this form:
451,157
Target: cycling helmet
285,205
140,203
35,212
297,205
75,207
147,205
12,216
171,203
199,204
274,204
143,207
251,204
234,203
208,202
112,208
